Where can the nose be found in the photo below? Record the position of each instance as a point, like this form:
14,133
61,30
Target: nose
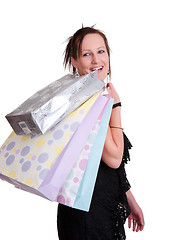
95,58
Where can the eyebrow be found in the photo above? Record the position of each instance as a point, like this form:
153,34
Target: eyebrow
90,49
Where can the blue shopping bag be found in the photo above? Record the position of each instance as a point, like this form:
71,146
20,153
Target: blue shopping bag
85,192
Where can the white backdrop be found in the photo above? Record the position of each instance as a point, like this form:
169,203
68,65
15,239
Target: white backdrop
140,37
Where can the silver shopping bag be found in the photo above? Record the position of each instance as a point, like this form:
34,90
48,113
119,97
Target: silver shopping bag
52,104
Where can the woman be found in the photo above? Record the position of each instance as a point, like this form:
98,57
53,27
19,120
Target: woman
112,202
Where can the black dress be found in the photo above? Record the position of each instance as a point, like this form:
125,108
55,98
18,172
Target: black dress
109,207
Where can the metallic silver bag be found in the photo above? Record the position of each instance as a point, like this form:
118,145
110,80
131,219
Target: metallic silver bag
50,105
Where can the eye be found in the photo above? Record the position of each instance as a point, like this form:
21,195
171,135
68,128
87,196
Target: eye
101,51
86,54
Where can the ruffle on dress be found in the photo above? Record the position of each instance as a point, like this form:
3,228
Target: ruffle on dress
122,211
127,147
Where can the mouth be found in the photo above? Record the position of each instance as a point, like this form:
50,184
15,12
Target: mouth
99,68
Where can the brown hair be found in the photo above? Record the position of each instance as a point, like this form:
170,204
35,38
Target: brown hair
73,48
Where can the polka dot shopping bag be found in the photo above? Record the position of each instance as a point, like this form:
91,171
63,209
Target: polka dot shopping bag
36,163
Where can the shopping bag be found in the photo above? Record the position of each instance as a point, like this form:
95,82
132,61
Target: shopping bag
57,175
52,104
69,190
70,187
85,192
26,160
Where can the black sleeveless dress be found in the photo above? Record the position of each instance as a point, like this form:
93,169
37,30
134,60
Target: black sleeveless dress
108,211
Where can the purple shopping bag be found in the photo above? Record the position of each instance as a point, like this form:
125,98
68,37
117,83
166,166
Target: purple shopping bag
61,168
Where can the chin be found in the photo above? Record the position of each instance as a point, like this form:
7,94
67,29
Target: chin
102,76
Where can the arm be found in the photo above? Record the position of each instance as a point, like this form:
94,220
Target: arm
114,144
112,156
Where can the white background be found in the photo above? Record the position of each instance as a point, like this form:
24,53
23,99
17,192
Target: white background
140,37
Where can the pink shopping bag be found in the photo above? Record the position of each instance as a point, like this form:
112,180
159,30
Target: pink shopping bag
70,193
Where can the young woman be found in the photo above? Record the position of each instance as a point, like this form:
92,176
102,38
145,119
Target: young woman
112,202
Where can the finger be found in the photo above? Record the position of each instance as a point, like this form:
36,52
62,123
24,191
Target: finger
106,95
141,227
109,85
129,222
134,225
109,89
141,219
138,227
142,223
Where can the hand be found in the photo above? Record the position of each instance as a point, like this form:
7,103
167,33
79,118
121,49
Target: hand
113,93
136,218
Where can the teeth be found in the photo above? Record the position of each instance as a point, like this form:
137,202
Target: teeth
93,69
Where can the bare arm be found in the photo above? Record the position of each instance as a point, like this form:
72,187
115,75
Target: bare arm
114,143
112,156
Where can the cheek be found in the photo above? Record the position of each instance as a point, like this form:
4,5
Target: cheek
106,63
106,60
86,62
84,65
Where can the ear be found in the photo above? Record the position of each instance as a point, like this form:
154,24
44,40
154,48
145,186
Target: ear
74,62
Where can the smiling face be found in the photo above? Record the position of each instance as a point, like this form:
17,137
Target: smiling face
93,56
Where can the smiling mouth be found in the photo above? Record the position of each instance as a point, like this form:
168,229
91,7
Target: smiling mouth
97,68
